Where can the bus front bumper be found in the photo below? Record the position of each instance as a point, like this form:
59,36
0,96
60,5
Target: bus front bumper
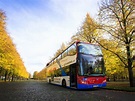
90,86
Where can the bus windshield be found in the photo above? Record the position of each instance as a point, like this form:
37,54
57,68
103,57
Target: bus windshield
90,60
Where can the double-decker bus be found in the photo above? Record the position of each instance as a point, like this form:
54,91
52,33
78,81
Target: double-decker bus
80,66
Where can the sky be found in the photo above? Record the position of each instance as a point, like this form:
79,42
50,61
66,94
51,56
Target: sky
39,27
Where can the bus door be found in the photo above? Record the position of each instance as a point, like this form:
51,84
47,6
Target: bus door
73,76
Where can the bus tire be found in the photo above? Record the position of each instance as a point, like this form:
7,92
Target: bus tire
64,83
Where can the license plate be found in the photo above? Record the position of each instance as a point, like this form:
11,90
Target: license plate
95,85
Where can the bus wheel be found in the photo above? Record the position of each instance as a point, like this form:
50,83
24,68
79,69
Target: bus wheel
63,83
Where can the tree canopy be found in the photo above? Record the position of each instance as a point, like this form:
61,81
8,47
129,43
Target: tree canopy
117,19
11,64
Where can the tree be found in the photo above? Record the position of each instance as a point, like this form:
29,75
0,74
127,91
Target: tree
42,74
114,67
117,19
35,74
11,64
88,31
61,49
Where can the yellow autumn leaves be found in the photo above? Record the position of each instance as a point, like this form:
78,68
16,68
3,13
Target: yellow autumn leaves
11,64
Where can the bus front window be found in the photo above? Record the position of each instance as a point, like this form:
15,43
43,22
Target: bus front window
92,66
90,60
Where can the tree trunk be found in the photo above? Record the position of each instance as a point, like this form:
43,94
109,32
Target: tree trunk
6,73
130,72
12,78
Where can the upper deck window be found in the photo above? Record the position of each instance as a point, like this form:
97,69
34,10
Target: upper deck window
89,49
72,50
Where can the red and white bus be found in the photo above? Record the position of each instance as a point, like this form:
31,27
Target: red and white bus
80,66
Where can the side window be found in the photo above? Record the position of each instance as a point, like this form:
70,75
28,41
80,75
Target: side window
57,72
72,50
66,69
51,63
64,54
59,57
54,61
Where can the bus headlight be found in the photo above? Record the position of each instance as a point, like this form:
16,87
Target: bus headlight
84,81
104,81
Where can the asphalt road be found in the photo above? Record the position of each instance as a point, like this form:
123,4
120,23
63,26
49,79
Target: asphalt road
42,91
